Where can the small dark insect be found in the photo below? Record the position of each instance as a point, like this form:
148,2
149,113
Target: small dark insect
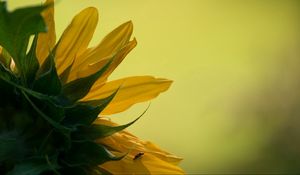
140,154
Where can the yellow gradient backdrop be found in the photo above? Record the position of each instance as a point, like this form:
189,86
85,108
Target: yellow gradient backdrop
219,53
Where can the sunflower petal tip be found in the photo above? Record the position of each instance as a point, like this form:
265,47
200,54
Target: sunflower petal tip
91,8
165,80
92,11
129,24
134,41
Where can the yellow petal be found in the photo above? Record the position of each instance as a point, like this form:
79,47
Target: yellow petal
153,161
148,164
118,59
92,59
46,41
76,38
89,69
133,90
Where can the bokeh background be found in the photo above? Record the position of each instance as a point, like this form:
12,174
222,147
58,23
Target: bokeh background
235,102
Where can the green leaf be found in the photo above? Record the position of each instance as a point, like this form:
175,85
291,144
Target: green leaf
48,81
34,166
78,88
30,64
16,28
88,153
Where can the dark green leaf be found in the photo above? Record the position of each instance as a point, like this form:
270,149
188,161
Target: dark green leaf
78,88
88,153
57,113
6,74
11,146
34,166
74,171
16,28
6,89
55,124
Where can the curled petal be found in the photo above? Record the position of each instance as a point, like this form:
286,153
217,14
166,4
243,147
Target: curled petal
148,164
153,161
112,43
116,44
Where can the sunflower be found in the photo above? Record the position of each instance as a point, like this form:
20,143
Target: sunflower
54,94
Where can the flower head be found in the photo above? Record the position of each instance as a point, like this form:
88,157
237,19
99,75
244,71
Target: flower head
61,88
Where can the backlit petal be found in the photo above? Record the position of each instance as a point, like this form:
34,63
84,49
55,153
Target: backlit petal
93,58
133,90
46,41
76,38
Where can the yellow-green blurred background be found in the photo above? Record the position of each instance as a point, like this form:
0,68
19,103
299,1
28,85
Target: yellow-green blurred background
235,102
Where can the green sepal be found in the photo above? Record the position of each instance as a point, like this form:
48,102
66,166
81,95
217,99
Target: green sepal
48,81
97,131
88,153
54,142
78,88
80,114
56,112
65,74
35,166
30,64
90,112
51,121
17,27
